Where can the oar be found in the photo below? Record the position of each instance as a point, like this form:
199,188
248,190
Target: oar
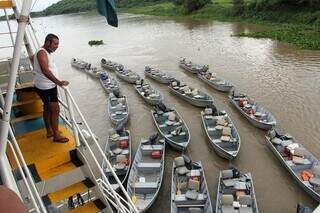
178,188
134,197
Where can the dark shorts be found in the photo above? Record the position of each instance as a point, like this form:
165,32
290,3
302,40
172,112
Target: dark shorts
48,95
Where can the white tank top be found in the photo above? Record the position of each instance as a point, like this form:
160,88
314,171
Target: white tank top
40,80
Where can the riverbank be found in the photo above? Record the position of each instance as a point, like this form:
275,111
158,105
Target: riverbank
300,28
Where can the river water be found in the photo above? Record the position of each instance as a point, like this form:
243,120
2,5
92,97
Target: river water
282,78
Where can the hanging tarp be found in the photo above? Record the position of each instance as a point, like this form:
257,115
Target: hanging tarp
107,8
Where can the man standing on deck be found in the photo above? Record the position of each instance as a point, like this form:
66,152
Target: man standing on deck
46,80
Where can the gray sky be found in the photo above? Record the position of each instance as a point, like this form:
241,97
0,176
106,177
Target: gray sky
38,5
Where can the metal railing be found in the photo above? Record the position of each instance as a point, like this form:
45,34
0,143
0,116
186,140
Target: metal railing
24,171
122,205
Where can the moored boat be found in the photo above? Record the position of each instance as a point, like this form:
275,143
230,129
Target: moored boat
189,190
86,67
222,133
254,112
108,83
146,174
191,95
191,67
128,76
235,192
118,152
158,75
79,64
148,93
216,82
303,166
118,109
110,65
171,126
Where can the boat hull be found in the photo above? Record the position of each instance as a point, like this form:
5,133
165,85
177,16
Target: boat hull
194,102
219,87
261,125
311,192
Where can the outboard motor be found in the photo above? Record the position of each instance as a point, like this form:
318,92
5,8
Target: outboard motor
236,173
303,209
119,128
103,61
117,93
153,138
162,107
188,162
147,68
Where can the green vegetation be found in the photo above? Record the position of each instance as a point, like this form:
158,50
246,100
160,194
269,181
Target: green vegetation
293,21
95,42
298,24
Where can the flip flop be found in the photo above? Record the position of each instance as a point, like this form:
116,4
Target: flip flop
49,135
61,140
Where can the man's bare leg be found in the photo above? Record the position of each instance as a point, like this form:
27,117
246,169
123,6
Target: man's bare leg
55,110
47,120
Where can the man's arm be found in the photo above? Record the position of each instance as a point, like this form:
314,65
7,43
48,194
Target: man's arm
44,65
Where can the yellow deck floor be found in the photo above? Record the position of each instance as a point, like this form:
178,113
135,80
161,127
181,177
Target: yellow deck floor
6,4
87,208
36,147
67,192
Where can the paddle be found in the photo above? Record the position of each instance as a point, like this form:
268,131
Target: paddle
134,197
179,188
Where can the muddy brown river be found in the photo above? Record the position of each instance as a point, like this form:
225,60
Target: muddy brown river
282,78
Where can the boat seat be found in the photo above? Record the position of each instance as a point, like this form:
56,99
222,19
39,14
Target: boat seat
147,167
315,181
182,170
229,182
208,117
195,210
227,199
183,200
192,194
227,173
117,151
151,147
211,129
245,200
239,185
216,141
123,138
227,209
145,187
245,209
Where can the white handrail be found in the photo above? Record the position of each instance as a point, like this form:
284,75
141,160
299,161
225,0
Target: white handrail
15,148
24,177
102,183
74,123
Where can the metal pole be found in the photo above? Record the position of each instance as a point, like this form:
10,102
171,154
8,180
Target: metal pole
4,123
74,128
9,27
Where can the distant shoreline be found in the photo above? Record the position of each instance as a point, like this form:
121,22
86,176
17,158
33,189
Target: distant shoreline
303,31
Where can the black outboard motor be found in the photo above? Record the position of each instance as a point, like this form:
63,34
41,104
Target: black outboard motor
117,93
303,209
162,107
119,128
153,138
236,173
188,162
103,61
